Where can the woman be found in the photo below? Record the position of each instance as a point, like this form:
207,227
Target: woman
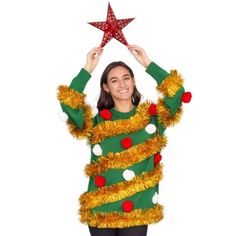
126,140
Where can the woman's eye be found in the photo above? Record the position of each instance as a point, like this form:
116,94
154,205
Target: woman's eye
126,78
113,81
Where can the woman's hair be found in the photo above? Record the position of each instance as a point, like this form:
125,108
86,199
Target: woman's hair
105,100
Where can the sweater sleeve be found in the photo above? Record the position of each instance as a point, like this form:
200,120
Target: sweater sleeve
72,101
169,107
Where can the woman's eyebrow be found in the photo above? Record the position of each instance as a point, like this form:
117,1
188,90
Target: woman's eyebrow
115,77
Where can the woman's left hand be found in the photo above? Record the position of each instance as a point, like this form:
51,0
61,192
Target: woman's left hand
140,55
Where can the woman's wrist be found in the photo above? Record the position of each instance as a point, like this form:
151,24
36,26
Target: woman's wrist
147,62
88,69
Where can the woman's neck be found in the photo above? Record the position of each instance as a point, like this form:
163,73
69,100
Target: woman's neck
123,106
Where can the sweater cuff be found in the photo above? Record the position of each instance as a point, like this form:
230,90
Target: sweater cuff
80,81
157,72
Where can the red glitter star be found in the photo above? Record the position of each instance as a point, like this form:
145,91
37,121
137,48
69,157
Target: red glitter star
112,27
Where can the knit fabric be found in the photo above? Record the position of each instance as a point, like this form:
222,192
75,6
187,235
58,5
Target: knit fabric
125,166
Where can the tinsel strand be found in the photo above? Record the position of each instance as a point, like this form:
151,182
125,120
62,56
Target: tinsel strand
128,157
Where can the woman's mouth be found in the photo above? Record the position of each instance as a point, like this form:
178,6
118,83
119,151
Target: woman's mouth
123,91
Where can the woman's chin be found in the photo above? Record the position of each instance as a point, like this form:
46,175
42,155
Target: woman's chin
123,98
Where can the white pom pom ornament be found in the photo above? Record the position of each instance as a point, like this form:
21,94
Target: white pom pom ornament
63,116
94,111
151,129
128,175
97,150
155,198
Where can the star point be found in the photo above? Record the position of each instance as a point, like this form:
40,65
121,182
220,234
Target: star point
112,27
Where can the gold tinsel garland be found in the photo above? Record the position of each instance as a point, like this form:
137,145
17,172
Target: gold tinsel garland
88,125
112,128
106,129
116,192
75,100
123,220
70,97
171,84
164,116
128,157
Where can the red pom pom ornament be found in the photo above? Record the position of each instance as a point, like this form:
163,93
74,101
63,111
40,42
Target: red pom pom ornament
105,114
126,142
157,158
127,206
152,109
186,97
100,181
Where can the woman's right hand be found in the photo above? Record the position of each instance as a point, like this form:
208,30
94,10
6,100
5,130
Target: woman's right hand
93,57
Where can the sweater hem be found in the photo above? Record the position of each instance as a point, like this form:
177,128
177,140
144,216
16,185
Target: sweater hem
123,220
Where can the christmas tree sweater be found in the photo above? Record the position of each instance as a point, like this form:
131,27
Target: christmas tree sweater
125,166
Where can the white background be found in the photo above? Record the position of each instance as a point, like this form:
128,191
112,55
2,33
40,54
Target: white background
44,44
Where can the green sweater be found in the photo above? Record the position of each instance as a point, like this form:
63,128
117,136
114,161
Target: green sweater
125,166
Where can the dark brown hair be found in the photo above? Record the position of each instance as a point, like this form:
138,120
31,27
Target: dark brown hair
105,100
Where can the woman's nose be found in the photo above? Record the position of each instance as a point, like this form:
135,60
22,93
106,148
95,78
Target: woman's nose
122,83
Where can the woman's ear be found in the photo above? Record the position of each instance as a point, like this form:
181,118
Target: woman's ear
105,87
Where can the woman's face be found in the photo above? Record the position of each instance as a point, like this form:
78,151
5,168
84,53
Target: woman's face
120,84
